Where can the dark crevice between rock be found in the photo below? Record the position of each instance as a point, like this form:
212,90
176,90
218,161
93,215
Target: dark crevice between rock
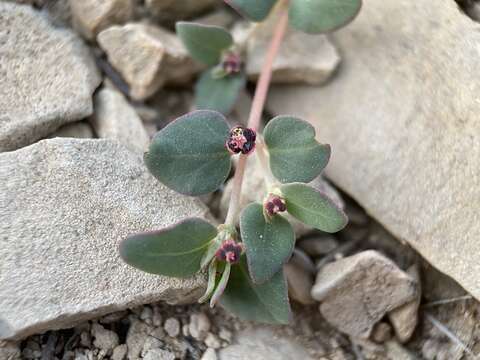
471,8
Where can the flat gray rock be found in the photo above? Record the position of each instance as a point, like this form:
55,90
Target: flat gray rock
65,204
47,77
263,343
356,292
403,120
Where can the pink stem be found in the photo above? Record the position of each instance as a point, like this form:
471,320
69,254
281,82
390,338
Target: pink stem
256,111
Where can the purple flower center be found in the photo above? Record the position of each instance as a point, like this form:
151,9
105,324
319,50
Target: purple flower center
241,140
230,251
274,205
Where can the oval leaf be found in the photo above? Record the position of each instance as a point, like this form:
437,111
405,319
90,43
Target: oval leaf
218,94
268,244
189,155
205,43
321,16
265,303
174,251
295,155
253,10
313,208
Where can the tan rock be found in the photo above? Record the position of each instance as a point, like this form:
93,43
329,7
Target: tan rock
300,283
402,119
92,16
115,119
405,318
178,8
146,56
357,291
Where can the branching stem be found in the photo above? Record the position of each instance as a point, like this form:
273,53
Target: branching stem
257,109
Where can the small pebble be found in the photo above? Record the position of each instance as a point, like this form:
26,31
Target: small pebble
147,315
381,332
210,354
212,341
157,317
172,327
85,339
185,330
104,339
226,335
114,317
199,326
120,352
159,354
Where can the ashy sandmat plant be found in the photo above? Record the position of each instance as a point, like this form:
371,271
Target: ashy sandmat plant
193,156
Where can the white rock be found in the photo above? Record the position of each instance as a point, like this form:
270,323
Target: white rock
212,341
92,16
172,327
136,337
263,343
357,291
199,326
146,56
48,77
209,354
105,339
65,204
115,119
303,58
78,130
159,354
402,118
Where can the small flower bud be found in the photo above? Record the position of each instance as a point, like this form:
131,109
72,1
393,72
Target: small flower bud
274,204
230,251
231,63
241,140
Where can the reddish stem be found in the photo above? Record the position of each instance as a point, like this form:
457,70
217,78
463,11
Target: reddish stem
256,111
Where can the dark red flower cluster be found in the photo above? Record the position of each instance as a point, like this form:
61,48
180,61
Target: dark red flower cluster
274,205
230,251
241,140
231,63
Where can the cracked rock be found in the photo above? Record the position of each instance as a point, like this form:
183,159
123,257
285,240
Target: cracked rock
146,56
357,291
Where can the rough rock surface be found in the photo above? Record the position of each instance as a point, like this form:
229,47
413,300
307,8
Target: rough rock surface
405,318
48,77
357,291
254,189
402,118
115,119
64,206
303,58
92,16
146,56
261,343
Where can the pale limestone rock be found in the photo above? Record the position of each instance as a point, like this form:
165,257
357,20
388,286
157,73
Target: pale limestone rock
402,118
47,77
92,16
146,56
114,118
357,291
65,205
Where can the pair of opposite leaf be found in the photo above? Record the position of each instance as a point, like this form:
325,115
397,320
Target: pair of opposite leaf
310,16
219,86
192,156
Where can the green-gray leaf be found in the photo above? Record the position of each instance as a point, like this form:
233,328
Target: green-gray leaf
265,303
254,10
295,155
205,43
174,251
269,244
189,155
218,94
321,16
313,208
